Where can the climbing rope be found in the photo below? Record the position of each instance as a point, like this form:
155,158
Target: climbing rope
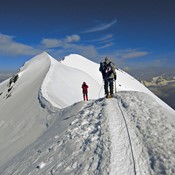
132,153
101,89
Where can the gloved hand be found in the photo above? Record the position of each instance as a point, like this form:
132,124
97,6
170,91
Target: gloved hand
115,77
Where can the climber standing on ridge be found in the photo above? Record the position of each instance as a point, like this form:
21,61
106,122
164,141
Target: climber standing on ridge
85,91
107,68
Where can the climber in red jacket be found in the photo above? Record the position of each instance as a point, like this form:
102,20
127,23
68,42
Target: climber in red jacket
85,91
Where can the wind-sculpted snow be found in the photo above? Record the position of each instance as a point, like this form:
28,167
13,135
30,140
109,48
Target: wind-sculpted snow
22,120
121,136
128,154
153,129
124,82
46,129
78,143
62,85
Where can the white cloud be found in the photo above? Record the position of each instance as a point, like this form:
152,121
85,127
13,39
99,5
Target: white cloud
10,47
134,54
88,51
103,39
100,27
105,46
121,57
59,47
73,38
67,45
129,54
53,43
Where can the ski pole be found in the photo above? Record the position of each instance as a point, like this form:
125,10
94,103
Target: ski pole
115,87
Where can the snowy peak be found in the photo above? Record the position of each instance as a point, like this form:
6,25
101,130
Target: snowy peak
128,134
62,85
124,82
20,109
77,59
85,65
68,75
43,56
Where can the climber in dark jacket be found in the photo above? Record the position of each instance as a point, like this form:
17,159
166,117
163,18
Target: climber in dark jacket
107,68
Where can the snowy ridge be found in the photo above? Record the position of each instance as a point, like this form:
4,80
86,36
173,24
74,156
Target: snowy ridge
91,138
62,85
43,96
75,66
153,130
81,63
122,146
61,134
20,110
124,82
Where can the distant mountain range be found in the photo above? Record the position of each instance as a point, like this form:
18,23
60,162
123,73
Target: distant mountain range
148,73
158,81
163,86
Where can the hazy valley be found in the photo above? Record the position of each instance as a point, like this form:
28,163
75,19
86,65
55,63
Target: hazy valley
164,87
161,81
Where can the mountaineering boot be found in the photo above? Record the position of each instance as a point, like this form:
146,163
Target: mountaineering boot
112,95
109,96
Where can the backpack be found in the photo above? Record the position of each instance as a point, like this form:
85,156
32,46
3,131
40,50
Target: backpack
106,69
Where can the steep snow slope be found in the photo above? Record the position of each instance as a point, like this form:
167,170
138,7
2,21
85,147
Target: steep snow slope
118,136
62,85
22,120
124,82
129,134
81,63
26,100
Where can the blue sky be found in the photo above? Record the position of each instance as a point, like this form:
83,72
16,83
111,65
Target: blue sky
133,33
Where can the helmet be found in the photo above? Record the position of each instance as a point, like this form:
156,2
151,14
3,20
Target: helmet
107,60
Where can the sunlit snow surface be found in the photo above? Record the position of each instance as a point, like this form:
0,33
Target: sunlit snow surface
126,135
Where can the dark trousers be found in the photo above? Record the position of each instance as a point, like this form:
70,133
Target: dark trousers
85,97
109,85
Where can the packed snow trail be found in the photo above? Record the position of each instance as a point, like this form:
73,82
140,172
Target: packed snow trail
120,145
123,159
78,143
95,142
95,138
154,132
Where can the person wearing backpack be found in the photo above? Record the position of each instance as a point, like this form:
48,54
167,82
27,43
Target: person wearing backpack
107,68
85,91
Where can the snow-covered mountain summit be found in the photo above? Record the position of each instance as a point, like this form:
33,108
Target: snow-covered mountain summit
124,82
61,77
46,128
